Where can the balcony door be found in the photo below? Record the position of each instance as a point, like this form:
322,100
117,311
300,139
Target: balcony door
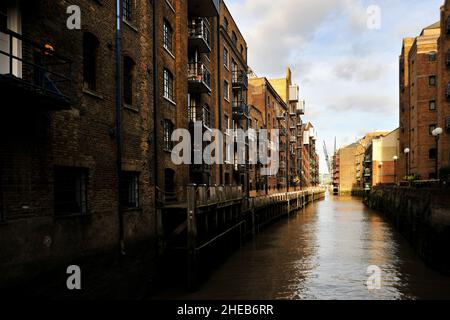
10,19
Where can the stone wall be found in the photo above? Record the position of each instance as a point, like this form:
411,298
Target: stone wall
422,216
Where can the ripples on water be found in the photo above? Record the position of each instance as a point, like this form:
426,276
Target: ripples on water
324,253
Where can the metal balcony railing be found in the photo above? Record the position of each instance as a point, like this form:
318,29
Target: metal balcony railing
240,109
36,69
200,114
200,35
240,80
199,78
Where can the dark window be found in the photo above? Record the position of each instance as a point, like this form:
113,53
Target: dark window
432,81
128,66
167,36
432,56
90,47
225,24
169,181
234,38
207,116
127,10
432,127
168,130
168,85
242,50
226,90
432,154
3,16
432,105
70,191
129,190
226,58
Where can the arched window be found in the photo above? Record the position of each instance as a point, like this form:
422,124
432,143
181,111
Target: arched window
225,23
90,49
128,73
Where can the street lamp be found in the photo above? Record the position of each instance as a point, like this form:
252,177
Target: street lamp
407,151
437,133
395,169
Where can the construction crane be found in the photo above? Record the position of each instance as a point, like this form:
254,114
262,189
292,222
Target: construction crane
327,158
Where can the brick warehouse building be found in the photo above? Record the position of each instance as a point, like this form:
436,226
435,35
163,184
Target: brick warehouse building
443,109
85,163
59,175
418,113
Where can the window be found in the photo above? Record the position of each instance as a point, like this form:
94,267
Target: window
70,191
90,47
227,122
432,80
226,58
168,85
234,38
432,154
128,69
207,116
127,10
167,36
225,23
168,130
242,50
129,190
432,127
3,16
432,105
226,90
432,56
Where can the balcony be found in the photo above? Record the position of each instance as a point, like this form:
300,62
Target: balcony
33,74
199,78
204,8
300,107
240,80
200,35
294,93
200,114
240,110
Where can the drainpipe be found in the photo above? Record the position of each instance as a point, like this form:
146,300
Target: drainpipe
219,85
119,122
155,117
267,121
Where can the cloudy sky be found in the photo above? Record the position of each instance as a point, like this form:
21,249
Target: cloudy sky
348,73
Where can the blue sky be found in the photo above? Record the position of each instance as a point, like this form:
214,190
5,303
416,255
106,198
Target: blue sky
348,74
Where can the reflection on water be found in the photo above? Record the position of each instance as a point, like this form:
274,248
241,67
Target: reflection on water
324,253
